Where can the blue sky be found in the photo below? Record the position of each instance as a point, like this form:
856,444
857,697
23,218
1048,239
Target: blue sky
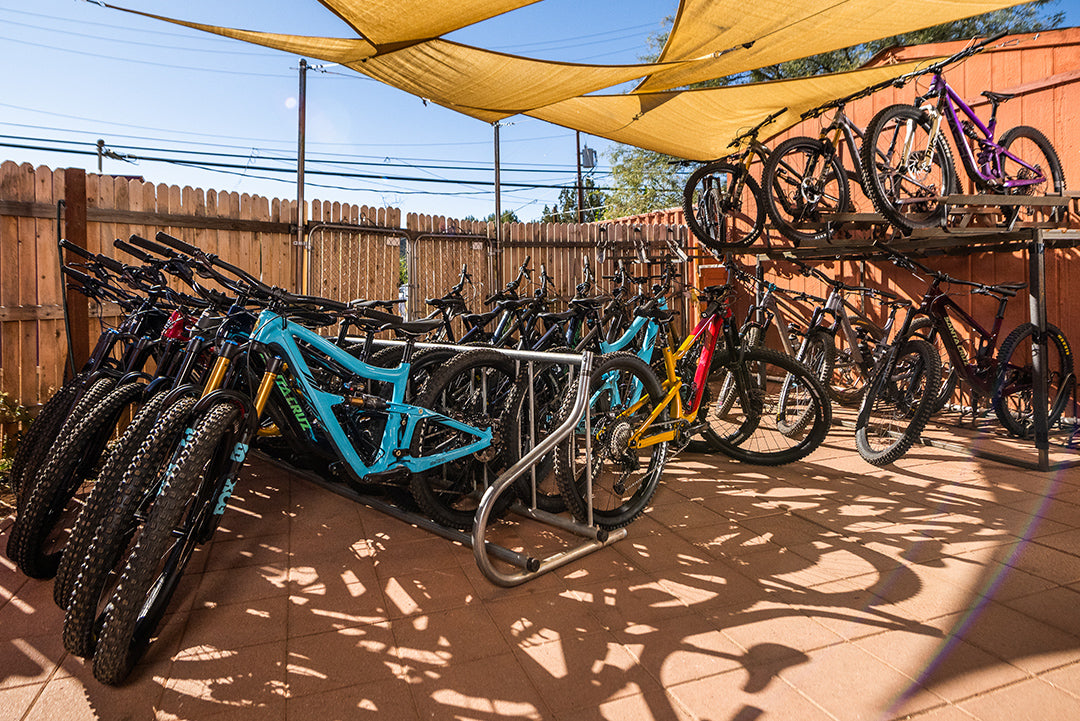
76,72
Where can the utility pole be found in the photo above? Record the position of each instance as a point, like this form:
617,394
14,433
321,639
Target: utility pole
301,215
580,187
498,192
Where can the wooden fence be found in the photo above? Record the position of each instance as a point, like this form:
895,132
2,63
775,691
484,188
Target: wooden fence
355,252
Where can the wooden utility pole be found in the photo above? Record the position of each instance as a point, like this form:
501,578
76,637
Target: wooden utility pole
76,305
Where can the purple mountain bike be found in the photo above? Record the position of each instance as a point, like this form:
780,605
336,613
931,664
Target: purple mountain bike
908,167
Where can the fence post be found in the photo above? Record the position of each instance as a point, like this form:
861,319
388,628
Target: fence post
76,305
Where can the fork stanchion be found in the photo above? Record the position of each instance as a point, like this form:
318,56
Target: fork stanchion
597,538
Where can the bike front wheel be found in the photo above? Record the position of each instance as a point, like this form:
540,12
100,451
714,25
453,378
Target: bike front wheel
1014,399
802,182
156,564
722,206
906,172
899,401
479,388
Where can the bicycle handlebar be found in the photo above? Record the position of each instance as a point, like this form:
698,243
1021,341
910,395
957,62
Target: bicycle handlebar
133,251
754,131
965,53
152,247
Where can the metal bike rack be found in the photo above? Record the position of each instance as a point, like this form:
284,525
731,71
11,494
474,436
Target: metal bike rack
485,551
1035,239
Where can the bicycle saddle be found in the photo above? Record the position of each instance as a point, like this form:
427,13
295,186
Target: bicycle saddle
413,329
480,319
590,303
446,302
997,98
559,317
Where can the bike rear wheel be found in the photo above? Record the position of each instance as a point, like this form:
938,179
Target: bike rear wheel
1014,397
898,403
1032,147
780,412
723,207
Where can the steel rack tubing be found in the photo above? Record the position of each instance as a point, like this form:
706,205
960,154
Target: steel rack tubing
484,550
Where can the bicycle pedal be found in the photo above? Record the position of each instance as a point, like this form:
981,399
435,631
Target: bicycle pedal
696,428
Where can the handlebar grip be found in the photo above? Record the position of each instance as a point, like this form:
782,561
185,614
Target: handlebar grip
76,249
111,263
321,302
151,246
176,243
132,251
78,275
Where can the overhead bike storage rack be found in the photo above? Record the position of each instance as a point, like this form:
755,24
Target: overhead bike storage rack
963,237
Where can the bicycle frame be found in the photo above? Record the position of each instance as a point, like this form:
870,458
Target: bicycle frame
283,337
979,371
987,168
841,132
711,326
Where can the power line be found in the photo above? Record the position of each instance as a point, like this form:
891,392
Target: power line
363,176
123,41
277,140
310,160
219,71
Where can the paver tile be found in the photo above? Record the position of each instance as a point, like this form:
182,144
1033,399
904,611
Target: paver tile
1031,700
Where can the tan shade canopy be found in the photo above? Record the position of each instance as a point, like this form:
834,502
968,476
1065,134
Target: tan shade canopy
394,21
782,30
488,85
332,50
699,124
399,45
484,84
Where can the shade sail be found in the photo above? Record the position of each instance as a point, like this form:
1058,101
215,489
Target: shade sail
481,83
398,45
395,21
333,50
781,30
486,84
699,124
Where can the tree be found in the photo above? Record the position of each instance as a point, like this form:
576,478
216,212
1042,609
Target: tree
508,216
565,210
643,180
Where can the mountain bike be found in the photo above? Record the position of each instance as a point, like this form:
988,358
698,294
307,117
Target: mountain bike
49,499
722,201
908,167
448,450
779,414
1001,373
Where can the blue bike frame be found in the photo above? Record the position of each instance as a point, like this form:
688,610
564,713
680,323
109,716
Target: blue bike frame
279,333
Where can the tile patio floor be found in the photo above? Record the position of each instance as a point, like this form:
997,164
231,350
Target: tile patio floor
939,589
